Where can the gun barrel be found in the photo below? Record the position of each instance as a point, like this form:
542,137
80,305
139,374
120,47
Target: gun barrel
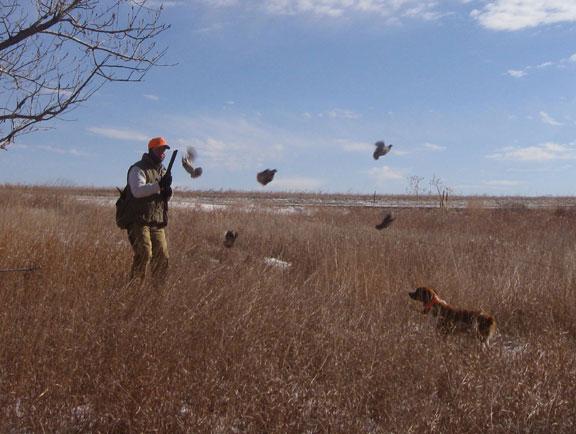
169,170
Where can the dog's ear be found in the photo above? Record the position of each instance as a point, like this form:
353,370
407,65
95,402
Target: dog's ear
425,294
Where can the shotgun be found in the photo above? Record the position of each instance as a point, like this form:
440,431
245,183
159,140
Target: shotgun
169,172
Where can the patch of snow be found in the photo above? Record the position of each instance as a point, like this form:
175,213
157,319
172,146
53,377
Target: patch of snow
185,410
291,205
81,413
18,408
277,263
513,347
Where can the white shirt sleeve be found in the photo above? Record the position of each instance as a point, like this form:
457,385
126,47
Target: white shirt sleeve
138,186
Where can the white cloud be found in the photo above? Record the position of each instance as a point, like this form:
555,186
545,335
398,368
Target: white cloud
513,15
59,92
391,10
559,64
542,152
214,27
156,4
233,142
434,147
542,169
231,155
62,151
425,12
17,145
336,113
385,174
350,146
119,134
401,152
547,119
516,73
343,114
151,97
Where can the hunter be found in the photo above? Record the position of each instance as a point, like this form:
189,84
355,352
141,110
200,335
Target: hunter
147,212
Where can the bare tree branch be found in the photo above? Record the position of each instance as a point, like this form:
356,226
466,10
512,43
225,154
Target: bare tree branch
55,54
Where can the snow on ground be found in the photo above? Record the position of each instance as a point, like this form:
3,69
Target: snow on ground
306,205
277,263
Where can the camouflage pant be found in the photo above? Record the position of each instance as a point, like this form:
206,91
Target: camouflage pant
150,247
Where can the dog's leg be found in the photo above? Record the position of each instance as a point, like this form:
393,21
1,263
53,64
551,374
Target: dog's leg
444,328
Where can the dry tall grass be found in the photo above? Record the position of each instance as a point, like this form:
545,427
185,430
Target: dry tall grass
332,344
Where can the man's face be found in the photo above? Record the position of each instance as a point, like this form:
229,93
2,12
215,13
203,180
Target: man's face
160,152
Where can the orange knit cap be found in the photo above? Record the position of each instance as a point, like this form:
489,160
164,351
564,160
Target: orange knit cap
158,142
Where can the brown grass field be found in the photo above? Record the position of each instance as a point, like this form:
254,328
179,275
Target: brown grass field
332,344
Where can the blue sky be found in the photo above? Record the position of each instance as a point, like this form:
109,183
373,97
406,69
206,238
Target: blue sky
480,94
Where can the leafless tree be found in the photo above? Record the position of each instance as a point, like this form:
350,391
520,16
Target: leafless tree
414,186
441,189
55,54
435,183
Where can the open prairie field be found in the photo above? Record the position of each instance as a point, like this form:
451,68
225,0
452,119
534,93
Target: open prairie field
305,325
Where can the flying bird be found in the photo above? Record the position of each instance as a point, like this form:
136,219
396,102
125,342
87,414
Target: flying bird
381,149
266,176
187,161
229,238
387,221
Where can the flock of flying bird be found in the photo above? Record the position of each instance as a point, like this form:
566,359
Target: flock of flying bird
266,176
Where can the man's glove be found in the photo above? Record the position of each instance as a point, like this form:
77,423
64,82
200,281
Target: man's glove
165,182
166,193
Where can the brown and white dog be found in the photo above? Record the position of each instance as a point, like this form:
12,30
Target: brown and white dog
451,319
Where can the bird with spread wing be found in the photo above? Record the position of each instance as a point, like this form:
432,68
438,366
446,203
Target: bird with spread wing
386,221
266,176
381,149
187,161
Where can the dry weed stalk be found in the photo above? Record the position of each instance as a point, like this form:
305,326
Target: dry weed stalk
329,345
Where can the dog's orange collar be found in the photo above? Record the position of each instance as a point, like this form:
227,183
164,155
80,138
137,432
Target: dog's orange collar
434,300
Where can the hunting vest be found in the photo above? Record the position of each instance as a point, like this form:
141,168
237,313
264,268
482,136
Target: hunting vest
149,210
